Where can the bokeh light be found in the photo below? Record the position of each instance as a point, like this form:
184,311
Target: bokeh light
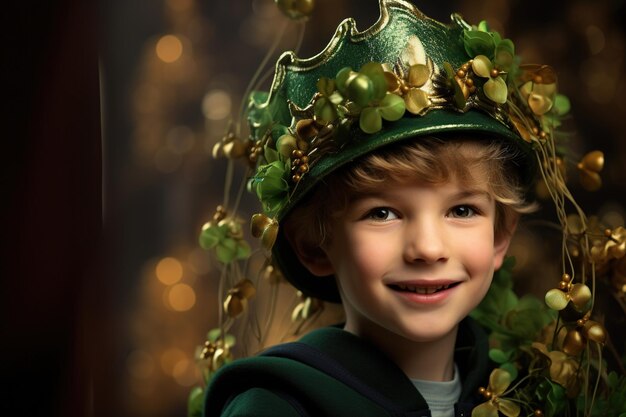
169,48
169,271
169,358
180,297
185,372
216,105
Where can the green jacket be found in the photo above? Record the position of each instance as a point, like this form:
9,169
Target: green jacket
331,372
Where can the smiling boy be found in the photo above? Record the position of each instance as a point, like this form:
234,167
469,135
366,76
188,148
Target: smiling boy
413,236
412,233
414,254
395,165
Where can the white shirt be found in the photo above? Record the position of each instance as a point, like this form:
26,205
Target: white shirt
440,396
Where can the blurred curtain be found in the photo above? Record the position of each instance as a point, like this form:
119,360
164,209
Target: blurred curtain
51,175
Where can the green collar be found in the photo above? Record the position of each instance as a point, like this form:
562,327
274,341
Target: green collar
368,364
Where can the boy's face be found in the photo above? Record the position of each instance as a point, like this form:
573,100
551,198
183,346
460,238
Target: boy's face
412,260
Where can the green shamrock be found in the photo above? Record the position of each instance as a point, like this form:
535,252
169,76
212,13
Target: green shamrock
227,240
270,183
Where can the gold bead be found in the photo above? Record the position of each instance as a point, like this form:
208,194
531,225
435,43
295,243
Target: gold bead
460,73
220,213
538,79
580,322
538,413
303,169
296,178
481,390
296,161
543,135
566,277
535,131
465,67
469,82
305,159
494,73
297,153
487,394
562,285
472,89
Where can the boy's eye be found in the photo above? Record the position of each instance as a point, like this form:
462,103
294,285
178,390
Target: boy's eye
462,211
381,213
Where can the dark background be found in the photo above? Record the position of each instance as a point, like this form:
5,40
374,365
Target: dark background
106,171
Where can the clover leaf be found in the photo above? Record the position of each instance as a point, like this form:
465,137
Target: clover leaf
224,237
370,120
195,402
477,42
271,186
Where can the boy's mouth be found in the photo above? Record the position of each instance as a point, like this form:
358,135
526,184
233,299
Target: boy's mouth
420,289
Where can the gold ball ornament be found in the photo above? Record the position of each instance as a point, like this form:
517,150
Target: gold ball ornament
265,228
258,224
234,306
296,9
594,331
235,149
573,343
593,161
237,299
589,169
580,294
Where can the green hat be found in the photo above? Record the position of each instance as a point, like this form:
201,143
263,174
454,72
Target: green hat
406,76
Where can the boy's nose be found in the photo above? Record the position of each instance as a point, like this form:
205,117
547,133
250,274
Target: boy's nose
425,243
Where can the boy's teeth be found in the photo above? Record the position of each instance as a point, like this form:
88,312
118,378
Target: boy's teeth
422,290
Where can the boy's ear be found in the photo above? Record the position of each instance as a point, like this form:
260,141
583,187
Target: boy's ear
503,240
310,253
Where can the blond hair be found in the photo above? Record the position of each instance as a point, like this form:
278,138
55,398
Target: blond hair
428,160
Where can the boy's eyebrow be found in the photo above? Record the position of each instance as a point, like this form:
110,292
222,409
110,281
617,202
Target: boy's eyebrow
473,193
459,195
